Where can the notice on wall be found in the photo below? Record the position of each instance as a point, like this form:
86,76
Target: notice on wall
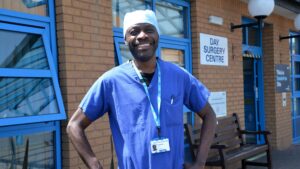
282,78
217,100
213,50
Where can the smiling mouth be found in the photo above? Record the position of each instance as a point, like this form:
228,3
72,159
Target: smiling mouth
143,46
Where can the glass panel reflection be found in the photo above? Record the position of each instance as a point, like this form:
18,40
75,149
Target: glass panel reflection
38,7
27,97
121,7
39,149
22,50
125,53
173,55
294,46
297,68
297,84
297,106
170,19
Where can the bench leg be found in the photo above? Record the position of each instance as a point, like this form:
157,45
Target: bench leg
269,159
244,166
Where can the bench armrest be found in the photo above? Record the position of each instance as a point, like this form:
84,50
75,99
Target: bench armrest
215,146
254,132
219,146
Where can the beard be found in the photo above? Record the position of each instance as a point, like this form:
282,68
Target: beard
143,55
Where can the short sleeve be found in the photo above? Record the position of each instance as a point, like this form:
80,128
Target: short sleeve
195,93
95,102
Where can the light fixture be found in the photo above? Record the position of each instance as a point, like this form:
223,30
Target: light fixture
259,9
215,20
297,26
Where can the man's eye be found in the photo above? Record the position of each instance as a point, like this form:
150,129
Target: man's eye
134,32
150,30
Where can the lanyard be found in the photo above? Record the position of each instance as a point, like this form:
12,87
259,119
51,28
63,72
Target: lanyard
155,115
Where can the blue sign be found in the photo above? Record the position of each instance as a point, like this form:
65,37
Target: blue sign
282,78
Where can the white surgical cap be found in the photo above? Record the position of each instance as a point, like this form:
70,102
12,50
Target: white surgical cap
139,16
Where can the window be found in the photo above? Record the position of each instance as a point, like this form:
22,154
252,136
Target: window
173,21
28,80
31,105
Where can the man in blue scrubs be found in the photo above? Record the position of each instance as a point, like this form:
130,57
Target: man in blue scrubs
144,99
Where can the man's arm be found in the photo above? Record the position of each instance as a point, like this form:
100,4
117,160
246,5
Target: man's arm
206,136
75,129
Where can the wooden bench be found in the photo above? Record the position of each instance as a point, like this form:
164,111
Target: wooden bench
228,146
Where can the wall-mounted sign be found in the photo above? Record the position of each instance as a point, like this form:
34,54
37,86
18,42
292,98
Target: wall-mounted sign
213,50
282,78
217,100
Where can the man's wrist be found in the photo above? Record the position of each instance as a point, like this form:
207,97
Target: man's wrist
199,163
94,163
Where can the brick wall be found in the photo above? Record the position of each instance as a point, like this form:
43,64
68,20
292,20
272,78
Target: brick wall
277,52
220,78
85,49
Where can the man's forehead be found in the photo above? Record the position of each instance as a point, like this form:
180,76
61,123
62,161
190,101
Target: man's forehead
142,25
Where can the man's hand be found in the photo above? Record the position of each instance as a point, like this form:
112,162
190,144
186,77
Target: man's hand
95,164
193,166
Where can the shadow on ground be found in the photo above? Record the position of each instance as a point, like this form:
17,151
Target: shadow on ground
285,159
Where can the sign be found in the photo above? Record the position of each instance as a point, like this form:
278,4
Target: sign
217,100
213,50
282,78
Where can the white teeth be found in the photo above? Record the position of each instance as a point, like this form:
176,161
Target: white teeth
145,44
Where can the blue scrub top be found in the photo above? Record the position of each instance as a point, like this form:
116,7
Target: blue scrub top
120,93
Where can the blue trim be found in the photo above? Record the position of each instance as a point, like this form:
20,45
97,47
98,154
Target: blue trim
178,2
8,131
18,28
53,33
117,41
118,32
10,72
23,15
58,156
253,49
153,5
54,76
31,119
26,21
169,39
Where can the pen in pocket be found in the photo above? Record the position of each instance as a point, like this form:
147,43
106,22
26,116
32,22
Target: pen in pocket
172,99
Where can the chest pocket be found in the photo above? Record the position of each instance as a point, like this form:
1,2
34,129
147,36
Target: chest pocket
173,110
130,108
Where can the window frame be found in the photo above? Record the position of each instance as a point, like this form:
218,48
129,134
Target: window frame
26,129
34,73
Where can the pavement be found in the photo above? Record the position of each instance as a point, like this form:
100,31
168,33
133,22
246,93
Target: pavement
283,159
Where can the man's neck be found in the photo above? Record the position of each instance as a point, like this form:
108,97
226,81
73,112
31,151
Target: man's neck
146,67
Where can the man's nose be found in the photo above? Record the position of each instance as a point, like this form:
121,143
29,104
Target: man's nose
142,35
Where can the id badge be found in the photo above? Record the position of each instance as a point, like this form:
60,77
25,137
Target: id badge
160,145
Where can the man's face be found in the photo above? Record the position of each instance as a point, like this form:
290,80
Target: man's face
142,41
